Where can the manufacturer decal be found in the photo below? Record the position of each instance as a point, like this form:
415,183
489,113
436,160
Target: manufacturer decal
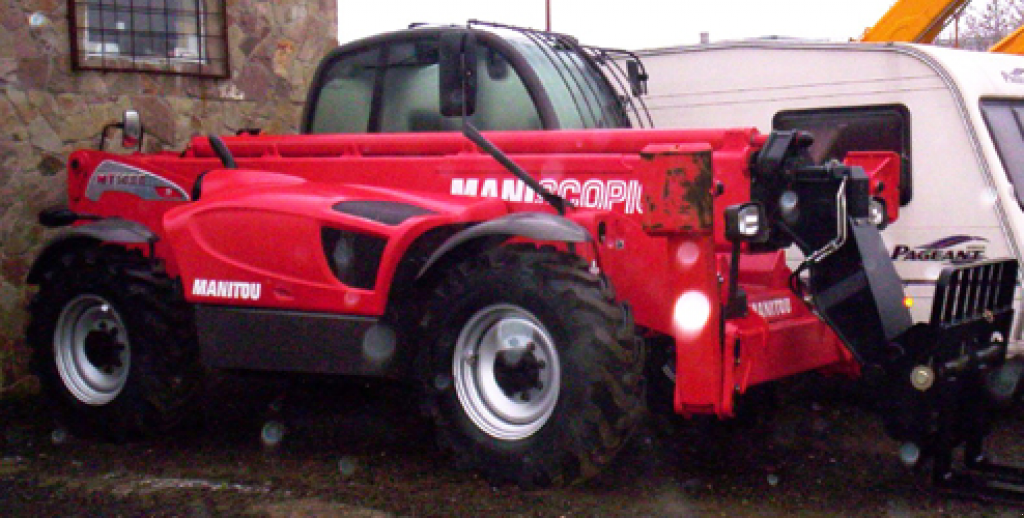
772,307
230,290
596,194
111,176
957,248
1015,76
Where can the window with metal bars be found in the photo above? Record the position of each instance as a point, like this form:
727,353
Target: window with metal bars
186,37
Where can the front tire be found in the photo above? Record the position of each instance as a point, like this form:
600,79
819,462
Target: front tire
536,374
114,345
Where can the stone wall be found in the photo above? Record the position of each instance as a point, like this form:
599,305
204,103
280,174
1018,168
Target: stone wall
47,111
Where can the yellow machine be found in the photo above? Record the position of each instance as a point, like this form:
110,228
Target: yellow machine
914,21
1012,44
921,21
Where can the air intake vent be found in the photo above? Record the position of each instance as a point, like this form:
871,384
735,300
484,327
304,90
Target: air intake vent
386,212
354,258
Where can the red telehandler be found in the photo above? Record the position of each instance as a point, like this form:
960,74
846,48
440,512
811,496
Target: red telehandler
534,278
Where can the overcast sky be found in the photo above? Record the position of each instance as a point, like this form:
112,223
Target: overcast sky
628,24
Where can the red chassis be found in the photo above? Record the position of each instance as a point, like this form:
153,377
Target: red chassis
253,237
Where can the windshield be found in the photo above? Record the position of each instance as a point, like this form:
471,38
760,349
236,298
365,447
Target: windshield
1005,120
581,95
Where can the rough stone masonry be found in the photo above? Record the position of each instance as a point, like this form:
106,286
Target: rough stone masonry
48,110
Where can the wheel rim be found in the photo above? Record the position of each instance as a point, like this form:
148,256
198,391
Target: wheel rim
91,349
507,373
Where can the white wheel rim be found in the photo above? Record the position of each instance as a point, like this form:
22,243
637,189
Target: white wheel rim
92,351
507,372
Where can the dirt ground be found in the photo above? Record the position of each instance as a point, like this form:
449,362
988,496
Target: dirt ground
361,450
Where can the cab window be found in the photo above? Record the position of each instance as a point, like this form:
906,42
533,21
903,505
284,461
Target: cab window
395,87
580,96
346,93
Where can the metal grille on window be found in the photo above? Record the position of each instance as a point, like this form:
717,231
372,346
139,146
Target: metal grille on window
187,37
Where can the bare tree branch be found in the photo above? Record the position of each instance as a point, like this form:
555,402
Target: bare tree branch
990,21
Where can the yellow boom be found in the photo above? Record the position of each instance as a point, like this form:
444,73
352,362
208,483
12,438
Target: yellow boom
915,21
1012,44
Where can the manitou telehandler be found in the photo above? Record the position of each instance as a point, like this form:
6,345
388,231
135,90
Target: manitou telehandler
532,278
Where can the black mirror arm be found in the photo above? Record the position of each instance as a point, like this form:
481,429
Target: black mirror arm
474,135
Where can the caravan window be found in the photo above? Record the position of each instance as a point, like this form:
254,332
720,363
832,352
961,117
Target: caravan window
1005,120
838,131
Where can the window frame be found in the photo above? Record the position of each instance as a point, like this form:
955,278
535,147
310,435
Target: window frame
212,59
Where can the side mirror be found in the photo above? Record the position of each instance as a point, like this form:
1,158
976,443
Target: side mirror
746,222
457,62
57,217
131,130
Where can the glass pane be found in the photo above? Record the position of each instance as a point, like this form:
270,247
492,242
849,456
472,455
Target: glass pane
581,96
343,104
411,96
503,102
1005,121
165,35
410,99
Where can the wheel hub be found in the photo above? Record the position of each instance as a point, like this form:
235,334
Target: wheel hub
91,350
102,348
518,371
506,372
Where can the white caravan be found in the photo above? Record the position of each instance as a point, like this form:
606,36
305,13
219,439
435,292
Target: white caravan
956,117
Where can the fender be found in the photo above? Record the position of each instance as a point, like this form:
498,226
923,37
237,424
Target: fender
533,225
110,230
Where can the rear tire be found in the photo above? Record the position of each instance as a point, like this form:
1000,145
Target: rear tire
114,345
536,375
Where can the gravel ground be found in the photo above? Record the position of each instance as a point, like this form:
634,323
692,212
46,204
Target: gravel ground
361,450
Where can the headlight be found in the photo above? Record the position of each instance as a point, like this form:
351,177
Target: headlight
746,222
749,222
